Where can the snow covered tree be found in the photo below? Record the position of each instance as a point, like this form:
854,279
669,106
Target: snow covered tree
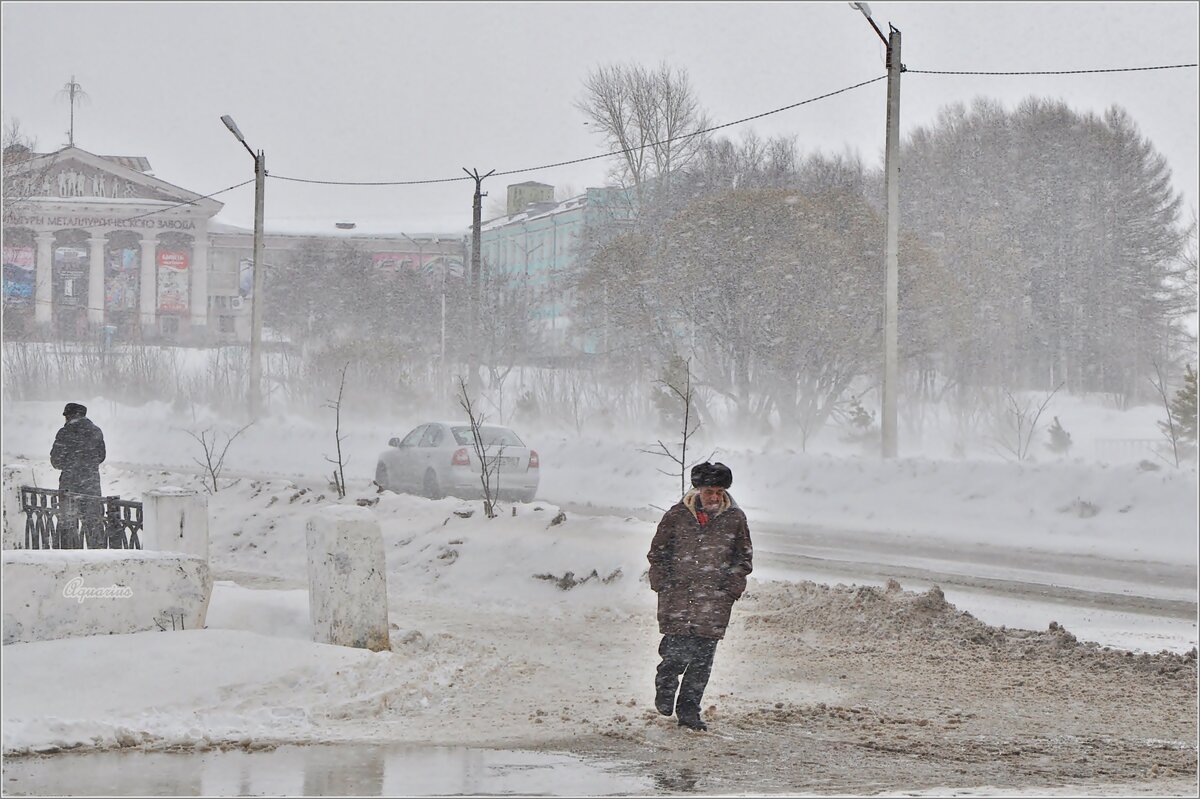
1063,227
1060,440
1183,407
1180,426
338,306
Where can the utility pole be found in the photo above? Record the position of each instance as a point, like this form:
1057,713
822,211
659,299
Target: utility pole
891,168
257,299
254,391
475,287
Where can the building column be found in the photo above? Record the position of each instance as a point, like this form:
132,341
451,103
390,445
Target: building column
148,301
198,303
95,304
43,291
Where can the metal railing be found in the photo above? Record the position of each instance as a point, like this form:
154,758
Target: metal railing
64,520
1128,449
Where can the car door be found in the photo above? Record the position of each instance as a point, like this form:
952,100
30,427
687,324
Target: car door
426,455
404,460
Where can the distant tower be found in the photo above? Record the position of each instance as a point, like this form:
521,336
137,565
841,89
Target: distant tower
520,195
74,92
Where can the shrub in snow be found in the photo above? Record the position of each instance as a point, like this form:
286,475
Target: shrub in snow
1060,439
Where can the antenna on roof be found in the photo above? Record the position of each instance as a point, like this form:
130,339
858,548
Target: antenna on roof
73,91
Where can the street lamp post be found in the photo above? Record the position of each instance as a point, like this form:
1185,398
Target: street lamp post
254,392
887,422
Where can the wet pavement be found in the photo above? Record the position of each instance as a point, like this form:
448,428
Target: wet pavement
321,770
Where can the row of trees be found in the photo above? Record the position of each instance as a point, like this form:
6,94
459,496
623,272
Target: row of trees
1065,234
332,301
1040,247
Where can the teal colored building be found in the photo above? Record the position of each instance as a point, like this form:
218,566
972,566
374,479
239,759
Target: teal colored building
541,246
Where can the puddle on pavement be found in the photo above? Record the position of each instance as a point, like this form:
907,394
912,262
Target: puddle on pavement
320,770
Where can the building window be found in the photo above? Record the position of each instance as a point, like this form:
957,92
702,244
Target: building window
225,324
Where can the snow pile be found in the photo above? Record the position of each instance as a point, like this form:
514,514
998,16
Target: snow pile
869,614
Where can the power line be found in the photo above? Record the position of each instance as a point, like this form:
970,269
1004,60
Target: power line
188,202
725,125
1049,72
588,158
698,132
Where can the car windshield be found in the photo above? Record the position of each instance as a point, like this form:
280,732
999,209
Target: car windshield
490,436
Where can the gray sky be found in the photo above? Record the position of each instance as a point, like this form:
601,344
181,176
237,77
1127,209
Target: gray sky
416,91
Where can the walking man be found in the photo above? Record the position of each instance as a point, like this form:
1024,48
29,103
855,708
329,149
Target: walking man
699,560
78,451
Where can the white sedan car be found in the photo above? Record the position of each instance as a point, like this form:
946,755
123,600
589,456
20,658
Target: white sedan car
439,458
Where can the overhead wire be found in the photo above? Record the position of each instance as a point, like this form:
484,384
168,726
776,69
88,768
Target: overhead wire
660,142
188,202
1047,72
587,158
625,151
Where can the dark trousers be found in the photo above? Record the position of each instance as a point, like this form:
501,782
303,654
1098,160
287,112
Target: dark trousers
691,656
81,520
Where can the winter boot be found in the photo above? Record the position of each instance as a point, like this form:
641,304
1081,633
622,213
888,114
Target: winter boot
691,719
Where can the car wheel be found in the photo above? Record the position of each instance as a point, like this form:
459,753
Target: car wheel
432,489
382,478
527,496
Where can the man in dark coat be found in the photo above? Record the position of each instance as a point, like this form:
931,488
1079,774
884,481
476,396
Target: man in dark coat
699,560
78,451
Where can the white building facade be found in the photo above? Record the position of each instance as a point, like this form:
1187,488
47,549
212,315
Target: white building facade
97,246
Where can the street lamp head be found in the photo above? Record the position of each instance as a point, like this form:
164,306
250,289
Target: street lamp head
866,12
233,128
863,7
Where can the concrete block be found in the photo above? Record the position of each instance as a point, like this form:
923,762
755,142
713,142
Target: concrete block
175,520
347,578
61,593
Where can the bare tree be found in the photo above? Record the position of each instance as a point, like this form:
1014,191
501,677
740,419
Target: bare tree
489,466
690,424
339,474
1180,426
650,115
24,170
1015,431
213,462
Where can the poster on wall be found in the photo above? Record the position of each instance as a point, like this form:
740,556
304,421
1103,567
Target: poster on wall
18,276
70,276
394,261
121,280
173,281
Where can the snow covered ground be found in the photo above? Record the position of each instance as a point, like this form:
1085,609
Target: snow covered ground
495,640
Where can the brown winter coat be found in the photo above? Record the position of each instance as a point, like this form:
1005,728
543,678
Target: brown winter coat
699,570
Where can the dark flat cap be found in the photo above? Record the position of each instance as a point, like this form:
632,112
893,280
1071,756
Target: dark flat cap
74,409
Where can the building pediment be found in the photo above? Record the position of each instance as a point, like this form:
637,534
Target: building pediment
72,175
